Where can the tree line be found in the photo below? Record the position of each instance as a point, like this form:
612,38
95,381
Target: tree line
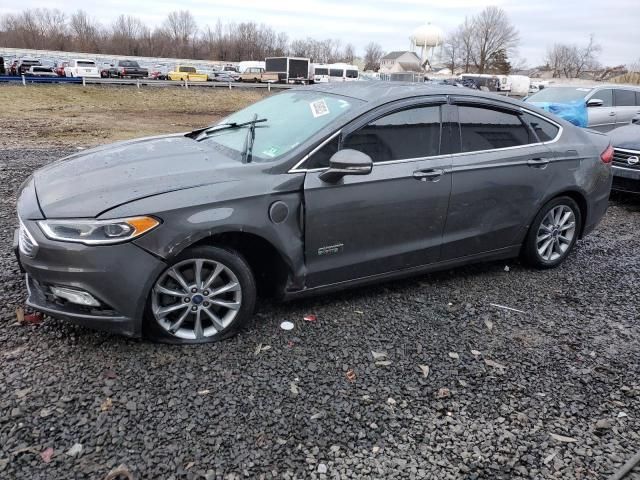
179,36
482,43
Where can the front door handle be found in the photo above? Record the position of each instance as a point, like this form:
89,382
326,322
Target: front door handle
612,114
432,174
538,162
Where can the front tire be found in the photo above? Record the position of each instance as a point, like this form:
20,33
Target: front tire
553,233
206,294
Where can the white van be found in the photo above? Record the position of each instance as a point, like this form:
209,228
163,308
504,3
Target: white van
82,67
343,72
243,66
319,73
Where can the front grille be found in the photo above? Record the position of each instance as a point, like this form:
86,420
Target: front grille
626,185
27,243
621,158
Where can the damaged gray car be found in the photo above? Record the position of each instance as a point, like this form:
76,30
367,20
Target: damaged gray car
308,191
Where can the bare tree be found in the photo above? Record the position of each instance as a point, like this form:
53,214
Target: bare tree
452,50
349,54
372,56
492,32
86,32
126,34
181,28
571,60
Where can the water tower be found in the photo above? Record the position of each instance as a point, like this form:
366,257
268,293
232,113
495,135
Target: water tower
427,37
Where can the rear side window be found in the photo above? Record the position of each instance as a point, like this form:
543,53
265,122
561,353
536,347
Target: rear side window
487,129
625,98
638,99
545,131
411,133
322,71
335,72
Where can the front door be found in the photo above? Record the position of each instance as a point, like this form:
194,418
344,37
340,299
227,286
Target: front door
390,219
602,118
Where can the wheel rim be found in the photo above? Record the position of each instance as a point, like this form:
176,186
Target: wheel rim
196,299
556,233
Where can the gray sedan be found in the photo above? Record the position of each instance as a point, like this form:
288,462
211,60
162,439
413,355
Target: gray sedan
309,191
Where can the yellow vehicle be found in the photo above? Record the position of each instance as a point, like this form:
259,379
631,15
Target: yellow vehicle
183,72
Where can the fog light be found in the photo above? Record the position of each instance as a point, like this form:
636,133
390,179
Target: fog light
79,297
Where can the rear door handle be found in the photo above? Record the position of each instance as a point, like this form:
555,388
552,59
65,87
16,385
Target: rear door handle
612,114
432,174
538,162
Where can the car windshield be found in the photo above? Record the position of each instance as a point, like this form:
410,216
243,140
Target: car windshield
560,95
292,118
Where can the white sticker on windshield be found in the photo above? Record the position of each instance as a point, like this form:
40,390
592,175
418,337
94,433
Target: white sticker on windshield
319,108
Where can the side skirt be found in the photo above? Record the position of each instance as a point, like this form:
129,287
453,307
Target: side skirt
503,253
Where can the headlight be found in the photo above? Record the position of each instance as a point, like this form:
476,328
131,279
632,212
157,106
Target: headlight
97,232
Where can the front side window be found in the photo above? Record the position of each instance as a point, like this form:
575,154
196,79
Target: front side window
487,129
546,131
606,95
291,119
334,72
625,98
352,73
187,70
322,71
407,134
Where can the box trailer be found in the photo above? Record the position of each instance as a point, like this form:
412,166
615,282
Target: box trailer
289,69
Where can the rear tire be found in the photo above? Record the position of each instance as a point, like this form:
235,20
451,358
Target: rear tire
553,233
183,306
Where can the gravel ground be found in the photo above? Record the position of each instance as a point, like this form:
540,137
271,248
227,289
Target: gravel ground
553,392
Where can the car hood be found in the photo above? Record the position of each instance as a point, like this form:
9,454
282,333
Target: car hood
626,137
88,183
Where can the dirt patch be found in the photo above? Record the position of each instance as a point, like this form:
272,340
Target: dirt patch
45,116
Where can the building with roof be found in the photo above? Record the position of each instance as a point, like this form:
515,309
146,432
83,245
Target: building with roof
400,61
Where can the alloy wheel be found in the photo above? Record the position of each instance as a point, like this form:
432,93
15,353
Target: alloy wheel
556,233
196,299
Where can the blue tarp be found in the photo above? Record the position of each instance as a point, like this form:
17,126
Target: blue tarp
574,112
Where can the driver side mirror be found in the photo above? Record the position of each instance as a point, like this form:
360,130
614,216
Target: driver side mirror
347,162
595,102
635,120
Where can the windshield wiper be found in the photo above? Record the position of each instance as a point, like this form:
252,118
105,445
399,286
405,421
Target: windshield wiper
247,151
196,134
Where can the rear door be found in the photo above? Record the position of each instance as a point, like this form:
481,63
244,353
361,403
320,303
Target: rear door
391,219
626,105
602,118
499,176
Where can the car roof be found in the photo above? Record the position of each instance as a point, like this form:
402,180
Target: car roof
593,87
379,92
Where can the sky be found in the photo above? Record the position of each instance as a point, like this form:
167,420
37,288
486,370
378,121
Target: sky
391,22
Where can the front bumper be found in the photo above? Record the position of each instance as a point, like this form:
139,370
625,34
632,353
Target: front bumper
626,179
119,276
